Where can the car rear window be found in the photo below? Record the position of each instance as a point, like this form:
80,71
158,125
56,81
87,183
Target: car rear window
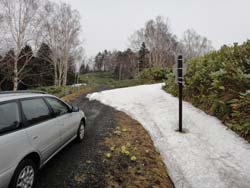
35,110
9,117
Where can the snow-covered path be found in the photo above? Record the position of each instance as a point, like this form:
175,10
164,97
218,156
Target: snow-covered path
208,156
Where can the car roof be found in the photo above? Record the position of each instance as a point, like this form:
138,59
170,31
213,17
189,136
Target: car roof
13,96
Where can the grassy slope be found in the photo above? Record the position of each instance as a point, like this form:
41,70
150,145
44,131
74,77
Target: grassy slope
94,81
106,79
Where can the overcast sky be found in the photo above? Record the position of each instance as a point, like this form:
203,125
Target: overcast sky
107,24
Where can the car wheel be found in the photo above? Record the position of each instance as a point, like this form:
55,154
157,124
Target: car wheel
81,132
25,175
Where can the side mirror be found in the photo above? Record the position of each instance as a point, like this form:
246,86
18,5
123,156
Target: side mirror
74,109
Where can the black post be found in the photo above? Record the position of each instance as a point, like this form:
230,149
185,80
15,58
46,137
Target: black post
180,82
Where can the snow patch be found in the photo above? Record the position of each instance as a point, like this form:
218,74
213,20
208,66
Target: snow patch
208,156
79,85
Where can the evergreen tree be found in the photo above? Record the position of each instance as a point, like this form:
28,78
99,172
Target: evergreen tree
143,57
25,61
39,71
44,68
87,69
71,72
6,64
82,69
99,61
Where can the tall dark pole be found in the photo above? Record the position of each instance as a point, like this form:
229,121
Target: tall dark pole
180,82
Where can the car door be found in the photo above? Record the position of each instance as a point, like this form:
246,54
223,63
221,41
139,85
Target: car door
13,140
70,122
43,129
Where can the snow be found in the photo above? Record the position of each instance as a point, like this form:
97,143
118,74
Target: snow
207,156
79,85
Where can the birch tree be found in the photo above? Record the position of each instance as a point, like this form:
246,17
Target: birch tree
21,22
162,44
52,39
62,27
195,45
2,33
2,63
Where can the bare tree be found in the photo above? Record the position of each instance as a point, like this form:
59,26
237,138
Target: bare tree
132,63
162,44
62,28
52,39
21,21
79,57
91,63
193,45
2,33
2,63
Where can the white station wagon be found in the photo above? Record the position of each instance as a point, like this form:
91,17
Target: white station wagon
33,127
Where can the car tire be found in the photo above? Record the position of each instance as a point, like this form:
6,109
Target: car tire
81,132
24,175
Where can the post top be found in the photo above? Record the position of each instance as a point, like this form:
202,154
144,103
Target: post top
180,57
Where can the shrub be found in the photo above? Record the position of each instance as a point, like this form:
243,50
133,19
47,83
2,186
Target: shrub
241,114
154,74
58,91
219,83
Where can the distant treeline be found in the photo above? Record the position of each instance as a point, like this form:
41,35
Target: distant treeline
154,45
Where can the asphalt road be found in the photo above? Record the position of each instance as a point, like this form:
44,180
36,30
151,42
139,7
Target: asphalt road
80,164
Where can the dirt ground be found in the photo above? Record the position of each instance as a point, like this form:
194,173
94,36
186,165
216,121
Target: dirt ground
116,152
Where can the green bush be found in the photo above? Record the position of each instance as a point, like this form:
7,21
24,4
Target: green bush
219,83
154,74
58,91
170,84
241,114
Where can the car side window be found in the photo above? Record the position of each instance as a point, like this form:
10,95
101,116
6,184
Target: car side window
57,106
9,117
35,110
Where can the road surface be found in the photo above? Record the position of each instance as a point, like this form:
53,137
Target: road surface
76,159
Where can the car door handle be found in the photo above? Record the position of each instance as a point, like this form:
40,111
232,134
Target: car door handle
35,137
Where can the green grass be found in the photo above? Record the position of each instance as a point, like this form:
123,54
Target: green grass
59,91
97,78
107,79
93,80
